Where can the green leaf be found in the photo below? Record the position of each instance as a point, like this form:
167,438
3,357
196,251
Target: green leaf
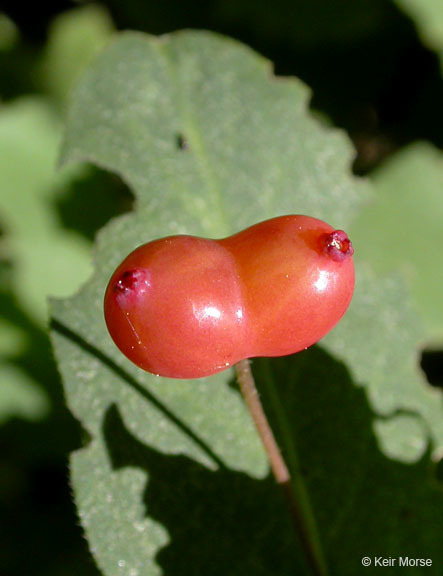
74,38
38,258
8,33
428,17
402,228
378,339
174,475
208,187
20,395
48,260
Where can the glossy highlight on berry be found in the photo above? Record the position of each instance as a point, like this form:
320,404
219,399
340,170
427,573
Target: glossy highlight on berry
188,307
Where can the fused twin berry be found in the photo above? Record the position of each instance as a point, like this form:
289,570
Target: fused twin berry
187,307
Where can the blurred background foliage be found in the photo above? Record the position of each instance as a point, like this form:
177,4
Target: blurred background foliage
375,69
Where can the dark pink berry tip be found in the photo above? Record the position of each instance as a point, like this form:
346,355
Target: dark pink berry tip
133,282
338,246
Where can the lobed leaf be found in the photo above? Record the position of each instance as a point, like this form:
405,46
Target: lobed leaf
173,478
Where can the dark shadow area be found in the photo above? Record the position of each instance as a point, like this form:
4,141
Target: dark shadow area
16,67
89,202
220,522
33,19
439,471
385,94
19,63
366,504
432,366
224,522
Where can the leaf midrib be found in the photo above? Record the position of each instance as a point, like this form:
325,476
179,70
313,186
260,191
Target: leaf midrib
220,226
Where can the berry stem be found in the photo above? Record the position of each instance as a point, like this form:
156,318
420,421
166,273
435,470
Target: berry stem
252,399
279,468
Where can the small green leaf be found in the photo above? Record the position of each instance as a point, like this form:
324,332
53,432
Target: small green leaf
48,260
20,395
74,38
401,437
8,33
428,17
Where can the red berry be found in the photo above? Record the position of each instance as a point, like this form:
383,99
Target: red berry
187,307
